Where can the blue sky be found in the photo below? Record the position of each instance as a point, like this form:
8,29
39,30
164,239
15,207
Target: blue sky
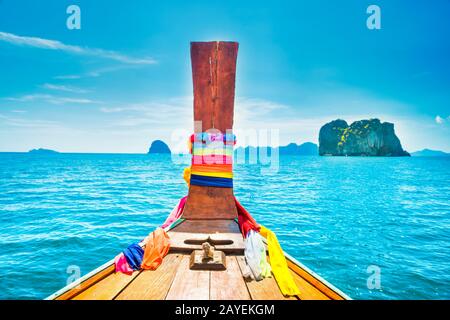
124,79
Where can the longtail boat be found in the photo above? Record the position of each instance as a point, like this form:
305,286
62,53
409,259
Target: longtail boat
209,222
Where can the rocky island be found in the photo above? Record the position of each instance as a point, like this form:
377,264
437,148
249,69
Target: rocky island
361,138
159,147
43,151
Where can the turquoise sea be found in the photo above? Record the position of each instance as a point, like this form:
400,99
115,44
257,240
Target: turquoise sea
338,216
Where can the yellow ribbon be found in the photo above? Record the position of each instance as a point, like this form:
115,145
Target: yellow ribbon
213,174
212,152
187,175
278,263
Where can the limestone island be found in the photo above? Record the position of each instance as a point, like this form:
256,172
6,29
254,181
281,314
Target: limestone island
159,147
43,151
361,138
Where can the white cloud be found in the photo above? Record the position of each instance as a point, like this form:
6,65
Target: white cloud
96,72
439,120
48,44
51,99
63,88
68,77
172,113
28,123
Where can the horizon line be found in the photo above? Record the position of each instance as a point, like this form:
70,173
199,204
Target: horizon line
181,153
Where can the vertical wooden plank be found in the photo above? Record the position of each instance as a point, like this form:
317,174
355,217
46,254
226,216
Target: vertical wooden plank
153,284
201,61
228,284
210,203
213,76
226,77
189,284
107,288
266,289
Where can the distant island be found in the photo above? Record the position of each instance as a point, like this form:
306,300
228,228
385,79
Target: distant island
304,149
430,153
361,138
43,151
159,147
336,138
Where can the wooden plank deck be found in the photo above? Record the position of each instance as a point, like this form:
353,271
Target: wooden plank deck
153,285
107,288
189,284
173,280
228,284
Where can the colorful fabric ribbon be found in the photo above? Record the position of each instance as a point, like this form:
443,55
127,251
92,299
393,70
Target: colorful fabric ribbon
279,265
228,175
121,265
205,151
175,214
245,220
255,256
156,249
212,168
133,255
278,262
205,181
213,137
187,175
212,157
157,246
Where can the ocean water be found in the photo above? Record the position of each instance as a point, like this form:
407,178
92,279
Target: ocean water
338,216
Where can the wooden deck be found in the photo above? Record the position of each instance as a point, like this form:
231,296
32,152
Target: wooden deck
173,280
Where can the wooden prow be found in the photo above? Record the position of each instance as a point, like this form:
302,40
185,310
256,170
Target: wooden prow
213,74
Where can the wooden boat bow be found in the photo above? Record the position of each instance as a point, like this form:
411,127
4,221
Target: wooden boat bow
214,76
209,214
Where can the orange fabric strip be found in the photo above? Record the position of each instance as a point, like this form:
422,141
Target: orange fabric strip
157,247
212,168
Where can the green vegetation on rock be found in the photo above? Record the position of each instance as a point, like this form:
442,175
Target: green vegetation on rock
361,138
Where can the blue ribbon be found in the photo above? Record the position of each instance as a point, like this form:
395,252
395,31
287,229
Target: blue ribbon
134,254
205,181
